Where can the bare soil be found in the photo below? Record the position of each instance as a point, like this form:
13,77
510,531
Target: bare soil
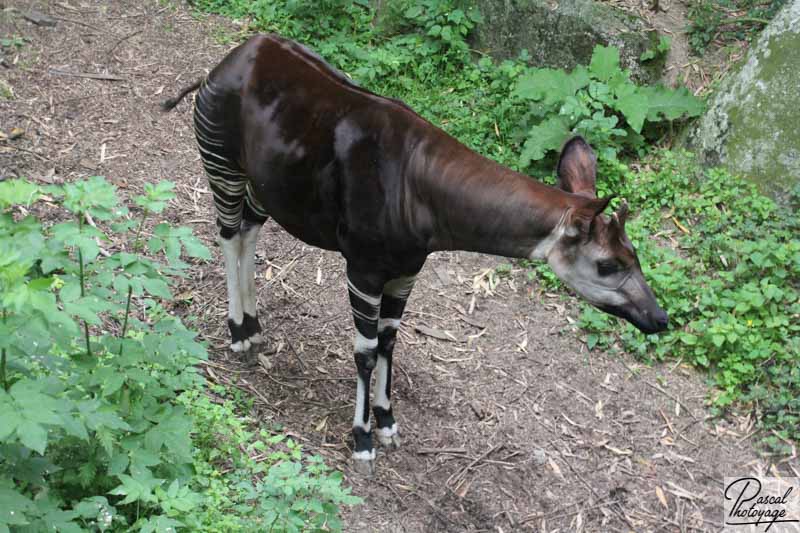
671,18
509,425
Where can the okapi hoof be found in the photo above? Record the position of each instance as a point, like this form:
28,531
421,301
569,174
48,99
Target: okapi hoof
246,334
240,346
364,462
388,437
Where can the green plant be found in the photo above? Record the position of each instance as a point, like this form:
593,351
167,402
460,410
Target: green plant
727,20
600,102
732,292
97,426
446,25
12,42
661,49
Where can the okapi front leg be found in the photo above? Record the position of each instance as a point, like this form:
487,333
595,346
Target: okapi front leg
365,301
395,296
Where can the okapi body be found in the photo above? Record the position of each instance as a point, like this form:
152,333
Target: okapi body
284,135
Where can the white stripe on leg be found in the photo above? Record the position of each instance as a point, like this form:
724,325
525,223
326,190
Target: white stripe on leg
362,344
247,269
230,253
358,417
382,370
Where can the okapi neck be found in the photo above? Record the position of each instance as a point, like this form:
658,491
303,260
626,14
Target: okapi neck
478,205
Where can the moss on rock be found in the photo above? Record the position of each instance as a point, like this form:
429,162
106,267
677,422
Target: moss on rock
752,126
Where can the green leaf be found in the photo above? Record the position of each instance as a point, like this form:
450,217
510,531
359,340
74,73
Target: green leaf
671,104
17,192
551,85
172,432
413,12
549,135
634,106
605,62
9,421
156,197
13,507
194,248
591,340
94,195
157,287
71,291
160,524
33,436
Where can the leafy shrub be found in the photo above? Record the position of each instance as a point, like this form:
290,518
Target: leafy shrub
599,101
99,420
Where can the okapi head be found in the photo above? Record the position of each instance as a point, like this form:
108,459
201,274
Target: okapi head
593,255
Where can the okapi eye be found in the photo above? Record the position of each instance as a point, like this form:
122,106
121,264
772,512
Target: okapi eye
607,268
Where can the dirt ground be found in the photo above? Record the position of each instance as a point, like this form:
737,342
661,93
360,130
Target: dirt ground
510,424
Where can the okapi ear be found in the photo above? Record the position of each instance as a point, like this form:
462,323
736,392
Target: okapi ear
577,168
581,219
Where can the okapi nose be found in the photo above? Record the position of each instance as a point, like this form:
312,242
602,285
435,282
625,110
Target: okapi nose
660,319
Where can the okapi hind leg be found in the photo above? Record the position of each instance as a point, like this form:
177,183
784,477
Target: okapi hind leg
393,302
231,244
227,183
253,219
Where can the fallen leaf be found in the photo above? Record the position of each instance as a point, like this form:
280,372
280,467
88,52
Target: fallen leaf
680,492
462,489
661,497
438,333
617,450
556,469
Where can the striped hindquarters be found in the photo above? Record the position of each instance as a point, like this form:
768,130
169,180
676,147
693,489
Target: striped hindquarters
229,184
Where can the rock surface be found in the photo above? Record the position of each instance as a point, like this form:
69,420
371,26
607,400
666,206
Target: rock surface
563,34
752,126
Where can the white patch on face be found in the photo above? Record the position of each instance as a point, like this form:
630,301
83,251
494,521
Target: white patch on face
247,269
364,455
384,323
362,344
358,419
582,277
230,252
382,376
545,246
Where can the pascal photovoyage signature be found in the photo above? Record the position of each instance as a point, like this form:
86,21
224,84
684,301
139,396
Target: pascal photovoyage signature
751,507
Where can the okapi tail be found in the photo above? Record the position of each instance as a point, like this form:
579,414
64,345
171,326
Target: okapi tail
169,105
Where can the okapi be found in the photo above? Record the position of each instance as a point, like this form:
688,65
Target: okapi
283,134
